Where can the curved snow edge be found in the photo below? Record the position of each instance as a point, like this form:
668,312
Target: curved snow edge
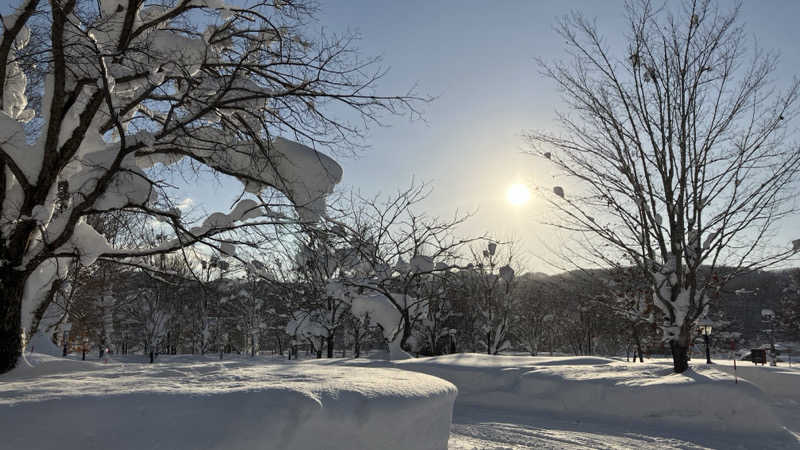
703,398
242,406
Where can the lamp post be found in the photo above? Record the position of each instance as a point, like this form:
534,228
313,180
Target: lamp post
704,325
452,333
768,318
65,339
124,340
67,328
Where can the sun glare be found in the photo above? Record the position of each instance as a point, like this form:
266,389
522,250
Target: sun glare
518,194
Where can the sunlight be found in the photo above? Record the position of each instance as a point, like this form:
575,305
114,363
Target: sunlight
518,194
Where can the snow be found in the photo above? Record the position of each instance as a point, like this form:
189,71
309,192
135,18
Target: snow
306,324
481,428
191,403
384,313
87,243
779,382
582,388
104,171
300,172
506,273
12,140
509,402
38,285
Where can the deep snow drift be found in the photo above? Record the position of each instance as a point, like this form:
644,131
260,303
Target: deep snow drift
189,404
599,389
503,402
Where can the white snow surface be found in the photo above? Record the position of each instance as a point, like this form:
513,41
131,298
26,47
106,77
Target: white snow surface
381,311
703,399
189,403
506,402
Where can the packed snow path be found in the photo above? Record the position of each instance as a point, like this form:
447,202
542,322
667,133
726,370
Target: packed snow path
484,428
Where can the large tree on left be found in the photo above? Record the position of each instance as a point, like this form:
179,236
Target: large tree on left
112,90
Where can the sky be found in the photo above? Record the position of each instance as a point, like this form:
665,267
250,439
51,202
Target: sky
478,59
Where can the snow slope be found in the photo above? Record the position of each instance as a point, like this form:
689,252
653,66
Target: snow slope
193,404
781,382
504,402
483,428
606,390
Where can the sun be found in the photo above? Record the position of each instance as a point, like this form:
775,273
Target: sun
518,194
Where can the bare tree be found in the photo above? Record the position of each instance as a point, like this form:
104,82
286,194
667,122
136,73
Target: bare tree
397,248
680,152
128,88
487,290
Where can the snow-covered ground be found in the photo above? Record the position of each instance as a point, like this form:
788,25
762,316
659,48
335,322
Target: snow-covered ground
199,403
510,402
500,427
594,387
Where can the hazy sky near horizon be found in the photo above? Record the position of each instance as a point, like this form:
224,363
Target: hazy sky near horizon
478,58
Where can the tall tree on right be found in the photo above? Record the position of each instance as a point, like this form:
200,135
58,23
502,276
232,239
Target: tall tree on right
679,152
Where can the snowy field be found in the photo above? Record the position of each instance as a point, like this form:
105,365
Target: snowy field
508,402
590,402
202,403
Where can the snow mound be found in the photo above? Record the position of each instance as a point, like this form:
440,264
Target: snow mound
780,382
605,389
222,405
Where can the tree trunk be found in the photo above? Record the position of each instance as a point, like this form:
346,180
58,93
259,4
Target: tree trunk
329,343
406,332
12,284
680,356
638,342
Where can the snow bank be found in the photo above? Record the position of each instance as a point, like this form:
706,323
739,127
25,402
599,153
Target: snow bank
606,389
222,405
779,382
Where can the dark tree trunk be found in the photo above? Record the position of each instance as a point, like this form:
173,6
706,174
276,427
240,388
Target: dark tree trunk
329,343
638,342
406,332
680,356
11,288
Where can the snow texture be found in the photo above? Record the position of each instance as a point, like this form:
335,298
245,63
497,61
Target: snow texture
384,313
193,404
702,398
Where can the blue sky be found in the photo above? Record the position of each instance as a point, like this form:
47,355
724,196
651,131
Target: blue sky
478,59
